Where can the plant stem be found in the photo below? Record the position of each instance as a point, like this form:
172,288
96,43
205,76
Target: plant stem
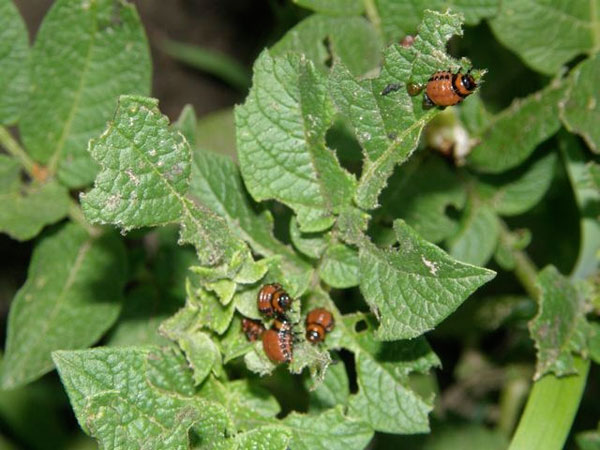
14,149
525,269
373,15
550,410
76,215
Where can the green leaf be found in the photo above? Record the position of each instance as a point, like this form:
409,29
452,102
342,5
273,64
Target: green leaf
388,127
559,329
264,438
281,141
71,297
144,179
137,397
455,437
26,208
330,430
516,192
528,26
234,343
334,390
514,134
580,110
477,235
86,54
339,267
248,404
216,183
312,245
420,193
187,125
594,342
334,7
216,132
588,440
201,352
352,40
415,286
210,311
401,18
14,55
385,398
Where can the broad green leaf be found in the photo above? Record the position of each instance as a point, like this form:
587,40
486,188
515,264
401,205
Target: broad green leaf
399,18
420,193
86,54
547,33
137,397
580,110
415,286
559,329
517,191
477,235
334,390
216,183
268,437
71,297
582,176
334,7
248,404
281,141
339,266
144,178
311,244
14,55
514,134
352,40
200,351
388,127
330,430
26,208
385,398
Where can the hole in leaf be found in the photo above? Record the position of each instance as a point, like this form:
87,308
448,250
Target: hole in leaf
329,59
361,325
348,358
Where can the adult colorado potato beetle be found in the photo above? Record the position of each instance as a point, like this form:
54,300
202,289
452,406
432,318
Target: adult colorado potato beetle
319,321
446,89
273,300
253,329
278,341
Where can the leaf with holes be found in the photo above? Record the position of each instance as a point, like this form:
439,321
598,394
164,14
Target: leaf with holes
281,141
86,54
415,286
388,125
63,305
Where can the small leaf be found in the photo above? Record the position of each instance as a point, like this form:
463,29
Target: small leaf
320,38
137,397
334,7
186,124
383,368
14,55
144,179
26,209
330,430
559,329
201,352
234,343
416,286
339,267
420,192
580,110
85,55
281,141
71,297
401,18
388,127
527,26
210,312
477,235
517,191
515,133
311,244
